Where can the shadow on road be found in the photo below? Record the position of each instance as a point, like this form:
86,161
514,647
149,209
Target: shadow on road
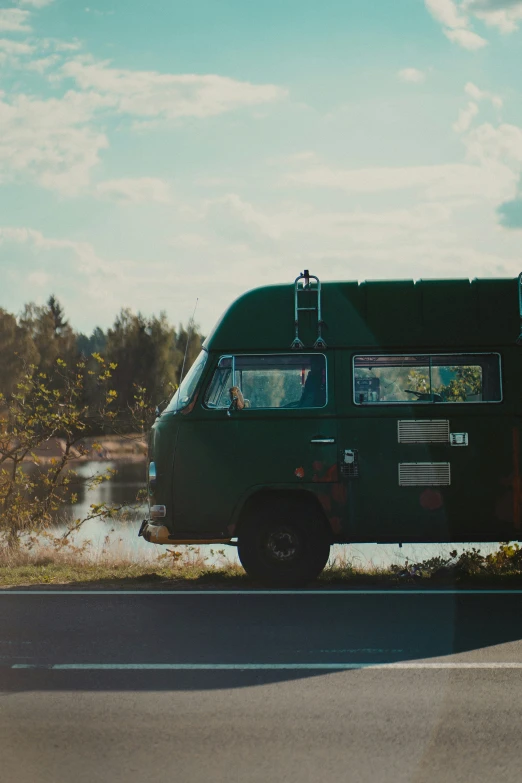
240,629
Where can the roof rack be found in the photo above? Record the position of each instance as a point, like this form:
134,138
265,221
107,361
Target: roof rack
303,284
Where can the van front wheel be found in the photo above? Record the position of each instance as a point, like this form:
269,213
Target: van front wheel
283,546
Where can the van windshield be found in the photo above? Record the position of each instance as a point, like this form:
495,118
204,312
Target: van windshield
188,386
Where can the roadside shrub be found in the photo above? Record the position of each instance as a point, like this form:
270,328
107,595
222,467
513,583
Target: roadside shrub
46,408
471,562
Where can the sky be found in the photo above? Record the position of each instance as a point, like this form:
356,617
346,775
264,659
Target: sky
154,154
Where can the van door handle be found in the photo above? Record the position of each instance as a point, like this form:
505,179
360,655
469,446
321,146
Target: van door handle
319,439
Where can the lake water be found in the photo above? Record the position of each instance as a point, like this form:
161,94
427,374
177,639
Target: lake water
122,536
117,534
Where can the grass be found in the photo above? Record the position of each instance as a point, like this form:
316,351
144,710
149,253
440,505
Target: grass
49,565
87,568
130,575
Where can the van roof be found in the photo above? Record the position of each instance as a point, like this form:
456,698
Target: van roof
405,314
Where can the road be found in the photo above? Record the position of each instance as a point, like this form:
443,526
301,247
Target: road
257,686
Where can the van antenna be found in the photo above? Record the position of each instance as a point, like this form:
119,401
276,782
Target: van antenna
190,326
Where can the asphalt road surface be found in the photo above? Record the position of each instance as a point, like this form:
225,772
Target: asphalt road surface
264,687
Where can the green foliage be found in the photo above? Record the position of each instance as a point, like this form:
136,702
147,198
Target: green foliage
507,560
145,356
146,353
56,384
419,381
41,408
16,349
49,332
96,343
465,381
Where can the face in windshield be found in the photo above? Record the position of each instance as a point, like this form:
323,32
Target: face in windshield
188,386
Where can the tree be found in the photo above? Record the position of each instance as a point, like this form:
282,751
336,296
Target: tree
17,350
57,314
146,353
467,381
96,343
51,334
464,381
42,407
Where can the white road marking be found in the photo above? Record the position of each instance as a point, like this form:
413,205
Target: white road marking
266,666
391,591
370,650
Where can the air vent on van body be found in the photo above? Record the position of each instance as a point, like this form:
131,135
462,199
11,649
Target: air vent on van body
424,474
423,431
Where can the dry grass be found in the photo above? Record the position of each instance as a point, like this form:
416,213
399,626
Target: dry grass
73,565
85,566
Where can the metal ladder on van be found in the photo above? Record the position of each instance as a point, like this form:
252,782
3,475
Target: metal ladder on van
302,285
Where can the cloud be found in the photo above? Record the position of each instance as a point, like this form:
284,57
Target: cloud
14,20
15,47
438,182
38,279
412,75
466,38
493,4
469,112
93,288
61,46
51,140
78,275
431,237
503,20
502,14
135,191
87,259
455,24
34,54
502,144
303,220
219,212
510,213
42,64
465,117
190,241
57,141
35,3
479,95
97,12
154,94
447,13
490,174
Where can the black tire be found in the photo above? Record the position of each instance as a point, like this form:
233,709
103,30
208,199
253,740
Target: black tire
284,545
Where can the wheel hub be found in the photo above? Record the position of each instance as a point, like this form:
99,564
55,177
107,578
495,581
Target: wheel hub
283,545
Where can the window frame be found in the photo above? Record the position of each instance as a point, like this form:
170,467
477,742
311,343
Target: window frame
429,402
235,370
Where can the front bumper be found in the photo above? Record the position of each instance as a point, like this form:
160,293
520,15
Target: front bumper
160,534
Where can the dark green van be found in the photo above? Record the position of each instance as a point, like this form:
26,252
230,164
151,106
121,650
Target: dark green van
374,412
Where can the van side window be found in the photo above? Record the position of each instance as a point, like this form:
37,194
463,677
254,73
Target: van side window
432,378
270,381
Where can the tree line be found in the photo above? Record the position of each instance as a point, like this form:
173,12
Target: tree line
144,353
